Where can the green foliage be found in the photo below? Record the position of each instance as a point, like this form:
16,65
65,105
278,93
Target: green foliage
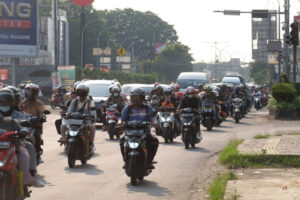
259,72
120,76
283,105
232,158
283,92
261,136
172,61
284,78
217,188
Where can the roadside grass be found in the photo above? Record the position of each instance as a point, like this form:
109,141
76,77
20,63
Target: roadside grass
295,133
232,158
218,186
261,136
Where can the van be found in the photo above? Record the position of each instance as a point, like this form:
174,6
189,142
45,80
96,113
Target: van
186,79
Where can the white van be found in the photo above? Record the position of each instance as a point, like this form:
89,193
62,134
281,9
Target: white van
186,79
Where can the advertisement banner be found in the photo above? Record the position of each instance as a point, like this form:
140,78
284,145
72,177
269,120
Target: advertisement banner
55,77
3,74
18,28
67,76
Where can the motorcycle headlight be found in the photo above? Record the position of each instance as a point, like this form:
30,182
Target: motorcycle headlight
187,123
169,118
162,119
73,133
133,145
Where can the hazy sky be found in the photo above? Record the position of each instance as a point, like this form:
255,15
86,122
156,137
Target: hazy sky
198,27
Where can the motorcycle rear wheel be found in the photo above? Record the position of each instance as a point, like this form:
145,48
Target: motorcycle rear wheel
236,119
110,131
53,105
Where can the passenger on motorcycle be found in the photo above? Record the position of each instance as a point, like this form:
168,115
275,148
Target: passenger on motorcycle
158,91
192,101
83,104
18,116
180,95
7,104
36,108
138,111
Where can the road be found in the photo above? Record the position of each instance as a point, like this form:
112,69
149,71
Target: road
103,177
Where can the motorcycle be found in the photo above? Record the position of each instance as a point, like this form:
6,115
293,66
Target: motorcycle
11,179
136,153
257,101
112,118
78,147
208,114
56,100
167,124
237,105
32,123
187,118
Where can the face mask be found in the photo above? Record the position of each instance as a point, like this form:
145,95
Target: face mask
116,94
190,96
4,108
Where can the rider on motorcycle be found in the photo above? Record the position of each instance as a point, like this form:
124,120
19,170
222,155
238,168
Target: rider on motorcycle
192,101
158,91
36,108
138,111
7,104
83,104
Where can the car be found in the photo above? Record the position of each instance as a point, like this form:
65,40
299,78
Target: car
186,79
234,80
99,90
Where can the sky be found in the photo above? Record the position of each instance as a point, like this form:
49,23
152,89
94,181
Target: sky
199,27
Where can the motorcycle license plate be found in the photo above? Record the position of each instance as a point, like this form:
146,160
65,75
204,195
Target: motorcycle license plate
4,145
166,125
76,121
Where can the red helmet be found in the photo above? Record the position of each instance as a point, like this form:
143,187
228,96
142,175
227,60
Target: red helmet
190,90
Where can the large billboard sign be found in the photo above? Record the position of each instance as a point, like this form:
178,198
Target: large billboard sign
67,76
18,28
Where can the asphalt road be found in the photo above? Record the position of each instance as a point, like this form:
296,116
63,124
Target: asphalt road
103,177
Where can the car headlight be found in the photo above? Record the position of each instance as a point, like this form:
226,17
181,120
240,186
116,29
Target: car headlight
133,145
73,133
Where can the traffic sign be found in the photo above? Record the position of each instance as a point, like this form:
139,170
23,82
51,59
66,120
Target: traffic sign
121,51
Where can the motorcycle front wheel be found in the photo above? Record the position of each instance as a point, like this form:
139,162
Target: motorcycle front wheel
132,167
71,157
110,131
6,190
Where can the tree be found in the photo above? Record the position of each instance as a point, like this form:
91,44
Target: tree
259,72
172,61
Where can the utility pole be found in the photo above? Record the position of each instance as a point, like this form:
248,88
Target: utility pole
54,6
82,25
295,42
286,44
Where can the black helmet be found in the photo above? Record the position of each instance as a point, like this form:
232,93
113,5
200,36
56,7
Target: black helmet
82,90
17,95
6,102
138,92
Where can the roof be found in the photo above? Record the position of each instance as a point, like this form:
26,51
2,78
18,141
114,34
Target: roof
192,75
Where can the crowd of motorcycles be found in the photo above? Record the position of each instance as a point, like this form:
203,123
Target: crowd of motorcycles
169,125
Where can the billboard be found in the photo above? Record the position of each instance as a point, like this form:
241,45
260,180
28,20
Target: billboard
67,76
3,74
18,28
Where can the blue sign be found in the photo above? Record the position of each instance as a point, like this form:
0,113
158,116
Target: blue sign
18,28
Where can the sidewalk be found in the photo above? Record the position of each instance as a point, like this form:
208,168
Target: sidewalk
267,184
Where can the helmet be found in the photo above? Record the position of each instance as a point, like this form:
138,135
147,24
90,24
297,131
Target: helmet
167,91
177,87
17,95
137,92
115,91
241,86
75,84
200,85
6,102
173,89
208,88
217,89
190,90
159,87
31,91
156,84
82,90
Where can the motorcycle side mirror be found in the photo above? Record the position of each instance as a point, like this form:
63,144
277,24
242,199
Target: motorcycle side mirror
47,112
93,108
25,123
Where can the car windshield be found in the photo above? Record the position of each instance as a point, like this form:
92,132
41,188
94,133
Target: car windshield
234,80
99,90
184,83
126,89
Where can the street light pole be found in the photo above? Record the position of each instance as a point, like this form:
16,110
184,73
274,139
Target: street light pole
287,30
82,36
